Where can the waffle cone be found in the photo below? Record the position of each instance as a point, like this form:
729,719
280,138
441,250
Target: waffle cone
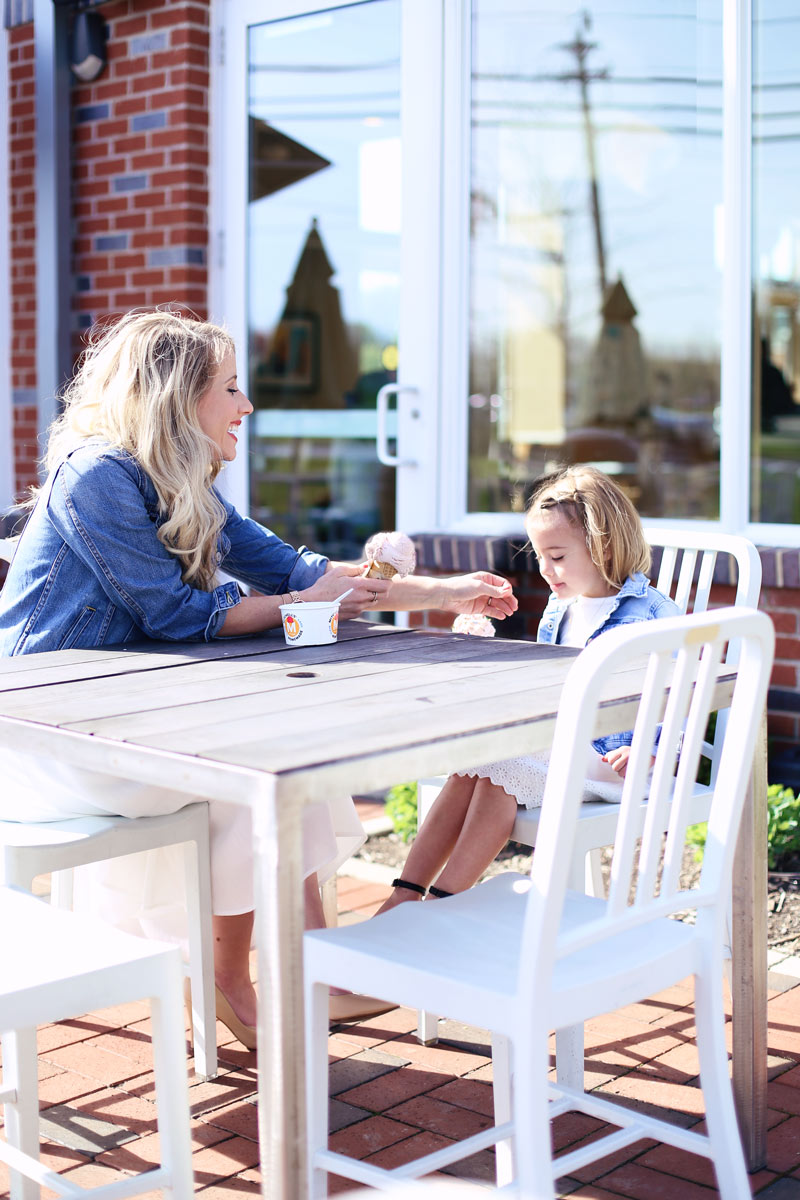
381,570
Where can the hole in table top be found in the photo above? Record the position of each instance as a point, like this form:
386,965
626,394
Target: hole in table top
301,674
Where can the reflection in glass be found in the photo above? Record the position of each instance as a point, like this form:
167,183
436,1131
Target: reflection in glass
595,282
323,265
776,263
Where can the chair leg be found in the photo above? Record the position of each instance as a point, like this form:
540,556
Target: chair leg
20,1071
317,1085
532,1146
172,1092
723,1128
569,1041
330,902
427,1028
593,882
197,874
503,1091
61,888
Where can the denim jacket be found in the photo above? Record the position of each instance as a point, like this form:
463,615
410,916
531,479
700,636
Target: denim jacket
635,601
90,571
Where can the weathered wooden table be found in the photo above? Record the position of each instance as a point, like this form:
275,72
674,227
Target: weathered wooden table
253,722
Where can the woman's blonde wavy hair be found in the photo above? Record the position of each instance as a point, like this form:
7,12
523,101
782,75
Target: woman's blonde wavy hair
138,386
593,503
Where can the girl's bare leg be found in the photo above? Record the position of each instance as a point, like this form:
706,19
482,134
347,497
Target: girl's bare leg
437,837
485,830
232,936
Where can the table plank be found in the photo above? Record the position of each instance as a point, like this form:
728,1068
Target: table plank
211,680
72,666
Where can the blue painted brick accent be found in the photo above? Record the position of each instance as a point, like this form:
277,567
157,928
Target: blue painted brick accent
111,241
82,283
85,321
177,256
130,183
148,42
22,396
154,120
92,112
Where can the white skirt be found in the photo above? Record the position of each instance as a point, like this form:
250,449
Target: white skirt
525,777
143,892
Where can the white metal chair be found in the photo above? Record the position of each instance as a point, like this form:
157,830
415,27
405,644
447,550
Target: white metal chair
58,965
522,955
38,848
686,574
28,850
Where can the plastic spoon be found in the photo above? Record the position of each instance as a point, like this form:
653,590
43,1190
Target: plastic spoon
339,599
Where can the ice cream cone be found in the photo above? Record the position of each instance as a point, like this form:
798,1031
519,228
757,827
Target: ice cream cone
381,570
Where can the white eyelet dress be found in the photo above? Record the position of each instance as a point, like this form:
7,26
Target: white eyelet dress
143,893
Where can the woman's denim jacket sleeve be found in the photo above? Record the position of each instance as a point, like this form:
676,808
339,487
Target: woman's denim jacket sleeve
636,601
90,569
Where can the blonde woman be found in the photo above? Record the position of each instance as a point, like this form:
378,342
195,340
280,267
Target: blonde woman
125,542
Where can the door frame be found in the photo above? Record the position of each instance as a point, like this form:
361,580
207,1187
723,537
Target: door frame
420,483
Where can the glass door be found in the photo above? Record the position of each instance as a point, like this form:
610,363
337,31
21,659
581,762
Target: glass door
327,264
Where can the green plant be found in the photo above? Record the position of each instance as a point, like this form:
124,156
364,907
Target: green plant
401,806
783,827
783,824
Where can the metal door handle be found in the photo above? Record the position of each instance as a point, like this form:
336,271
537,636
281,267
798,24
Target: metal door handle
381,434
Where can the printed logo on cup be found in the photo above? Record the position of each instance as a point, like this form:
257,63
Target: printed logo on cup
333,624
292,627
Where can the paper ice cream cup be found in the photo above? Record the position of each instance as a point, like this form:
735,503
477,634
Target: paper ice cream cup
312,623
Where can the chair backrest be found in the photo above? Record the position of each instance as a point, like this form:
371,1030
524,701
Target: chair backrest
683,654
8,547
688,559
686,574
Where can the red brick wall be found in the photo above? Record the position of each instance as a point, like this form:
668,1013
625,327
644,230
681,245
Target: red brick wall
139,177
140,163
22,236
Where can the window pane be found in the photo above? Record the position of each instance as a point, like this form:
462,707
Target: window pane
323,233
776,261
595,271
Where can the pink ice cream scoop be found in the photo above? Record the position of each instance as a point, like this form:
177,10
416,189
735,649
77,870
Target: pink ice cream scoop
390,554
475,624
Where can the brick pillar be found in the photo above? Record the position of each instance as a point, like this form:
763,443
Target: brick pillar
140,163
139,184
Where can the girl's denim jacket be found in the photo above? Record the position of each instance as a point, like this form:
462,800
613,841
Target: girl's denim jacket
90,570
635,601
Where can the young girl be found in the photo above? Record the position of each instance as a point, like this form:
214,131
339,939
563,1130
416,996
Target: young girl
592,552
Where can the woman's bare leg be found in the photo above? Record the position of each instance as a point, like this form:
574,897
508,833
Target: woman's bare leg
437,837
232,937
485,830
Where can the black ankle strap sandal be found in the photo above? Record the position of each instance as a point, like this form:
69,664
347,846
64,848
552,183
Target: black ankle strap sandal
412,887
438,893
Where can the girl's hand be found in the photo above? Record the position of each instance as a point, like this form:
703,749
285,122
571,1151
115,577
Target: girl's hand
618,759
480,593
338,578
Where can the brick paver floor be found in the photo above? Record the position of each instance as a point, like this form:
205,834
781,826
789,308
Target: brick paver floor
393,1099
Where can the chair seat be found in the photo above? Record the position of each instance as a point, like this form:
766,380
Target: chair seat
473,942
597,820
40,986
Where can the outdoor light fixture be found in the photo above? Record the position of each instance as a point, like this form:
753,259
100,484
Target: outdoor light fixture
87,47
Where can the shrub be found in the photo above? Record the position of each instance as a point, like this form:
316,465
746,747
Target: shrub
783,827
401,806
